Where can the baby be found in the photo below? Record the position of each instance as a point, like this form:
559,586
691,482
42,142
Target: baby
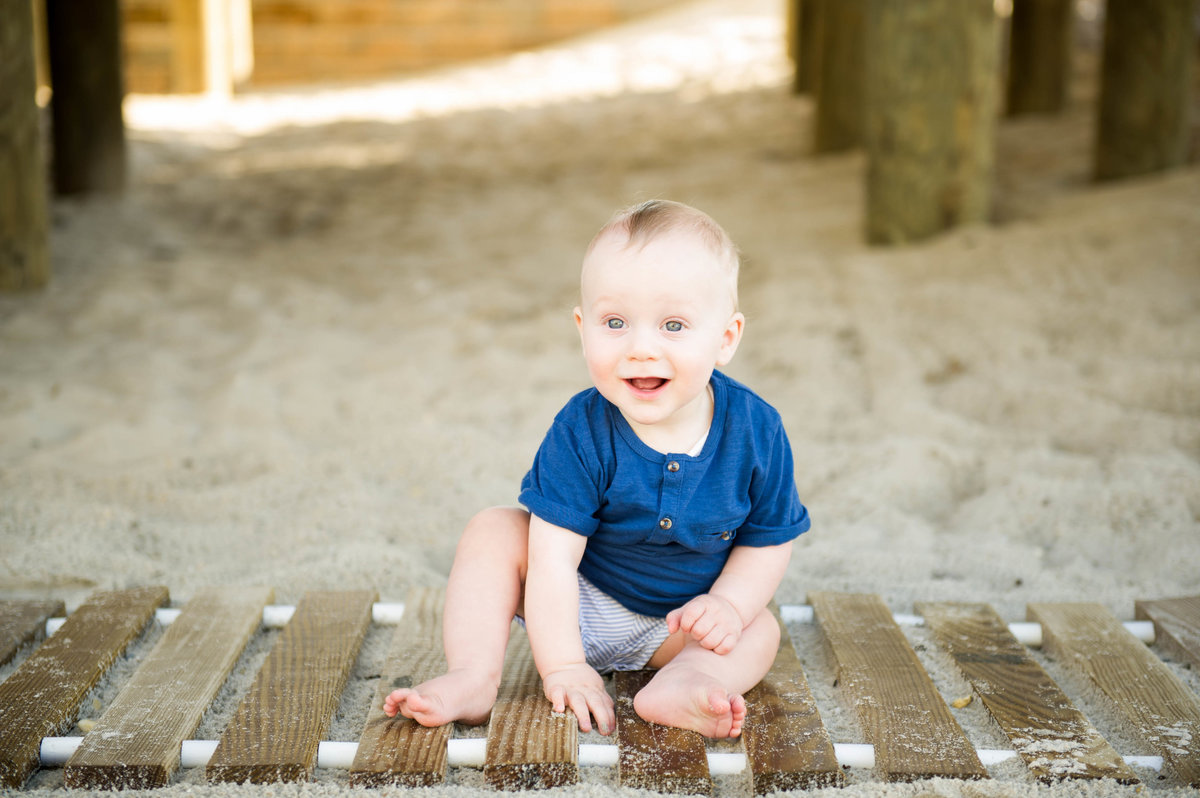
661,506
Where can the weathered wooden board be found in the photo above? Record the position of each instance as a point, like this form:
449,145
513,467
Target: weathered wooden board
398,750
1143,690
787,746
1176,625
899,708
653,757
41,697
136,743
528,746
1048,732
275,732
23,621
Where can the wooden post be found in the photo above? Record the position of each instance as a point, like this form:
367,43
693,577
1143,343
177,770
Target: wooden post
85,74
1039,56
41,49
839,78
1143,120
804,43
187,47
24,248
211,46
931,116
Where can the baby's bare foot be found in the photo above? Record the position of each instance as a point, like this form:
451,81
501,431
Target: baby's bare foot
690,699
464,696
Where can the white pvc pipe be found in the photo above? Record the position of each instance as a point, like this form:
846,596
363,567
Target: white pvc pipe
276,616
470,752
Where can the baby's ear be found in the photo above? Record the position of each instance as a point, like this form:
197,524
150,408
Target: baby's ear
731,338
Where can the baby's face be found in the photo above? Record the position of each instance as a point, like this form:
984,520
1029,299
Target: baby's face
655,321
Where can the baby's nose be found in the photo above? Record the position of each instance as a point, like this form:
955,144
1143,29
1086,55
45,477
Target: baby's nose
643,345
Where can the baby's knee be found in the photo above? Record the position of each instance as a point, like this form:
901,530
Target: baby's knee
496,529
765,626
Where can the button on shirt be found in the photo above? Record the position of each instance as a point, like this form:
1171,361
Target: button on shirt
661,526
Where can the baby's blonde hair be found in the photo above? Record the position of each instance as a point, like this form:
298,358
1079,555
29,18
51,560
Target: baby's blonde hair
646,221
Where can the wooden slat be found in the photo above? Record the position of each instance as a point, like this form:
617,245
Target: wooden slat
41,697
899,708
528,746
276,730
654,757
136,743
1176,625
1048,732
22,621
787,746
399,750
1150,698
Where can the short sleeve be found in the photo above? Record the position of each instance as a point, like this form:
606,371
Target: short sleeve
562,486
776,514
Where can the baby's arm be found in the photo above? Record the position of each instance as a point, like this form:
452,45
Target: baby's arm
746,585
552,619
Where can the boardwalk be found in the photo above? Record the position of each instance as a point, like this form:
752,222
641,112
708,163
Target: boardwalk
912,729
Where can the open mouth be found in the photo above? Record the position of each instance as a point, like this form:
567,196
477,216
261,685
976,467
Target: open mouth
646,384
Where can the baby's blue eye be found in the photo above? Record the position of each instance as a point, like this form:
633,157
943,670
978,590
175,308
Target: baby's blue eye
615,324
673,326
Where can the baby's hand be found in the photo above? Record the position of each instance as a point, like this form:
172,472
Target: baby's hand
582,689
710,620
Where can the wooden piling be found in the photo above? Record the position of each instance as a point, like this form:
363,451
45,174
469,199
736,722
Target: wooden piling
85,74
838,79
932,93
1143,122
1039,56
24,244
804,43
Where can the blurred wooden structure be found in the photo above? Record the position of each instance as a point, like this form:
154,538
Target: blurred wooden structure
85,66
920,81
218,46
1039,56
839,81
1146,87
914,83
24,249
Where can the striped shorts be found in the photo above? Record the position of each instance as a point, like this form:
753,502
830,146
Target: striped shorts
616,638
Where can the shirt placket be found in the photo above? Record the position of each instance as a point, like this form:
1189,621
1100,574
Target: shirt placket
670,502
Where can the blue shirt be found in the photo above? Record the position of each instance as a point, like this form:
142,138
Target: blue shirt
661,526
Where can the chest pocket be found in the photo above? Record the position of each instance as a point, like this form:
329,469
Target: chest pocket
713,538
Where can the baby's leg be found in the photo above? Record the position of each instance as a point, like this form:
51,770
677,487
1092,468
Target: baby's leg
484,592
701,690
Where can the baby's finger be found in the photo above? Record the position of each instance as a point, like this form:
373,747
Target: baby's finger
673,620
703,627
726,645
715,638
557,699
579,706
603,712
693,612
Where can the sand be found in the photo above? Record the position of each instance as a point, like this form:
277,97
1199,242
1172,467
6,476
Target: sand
324,326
